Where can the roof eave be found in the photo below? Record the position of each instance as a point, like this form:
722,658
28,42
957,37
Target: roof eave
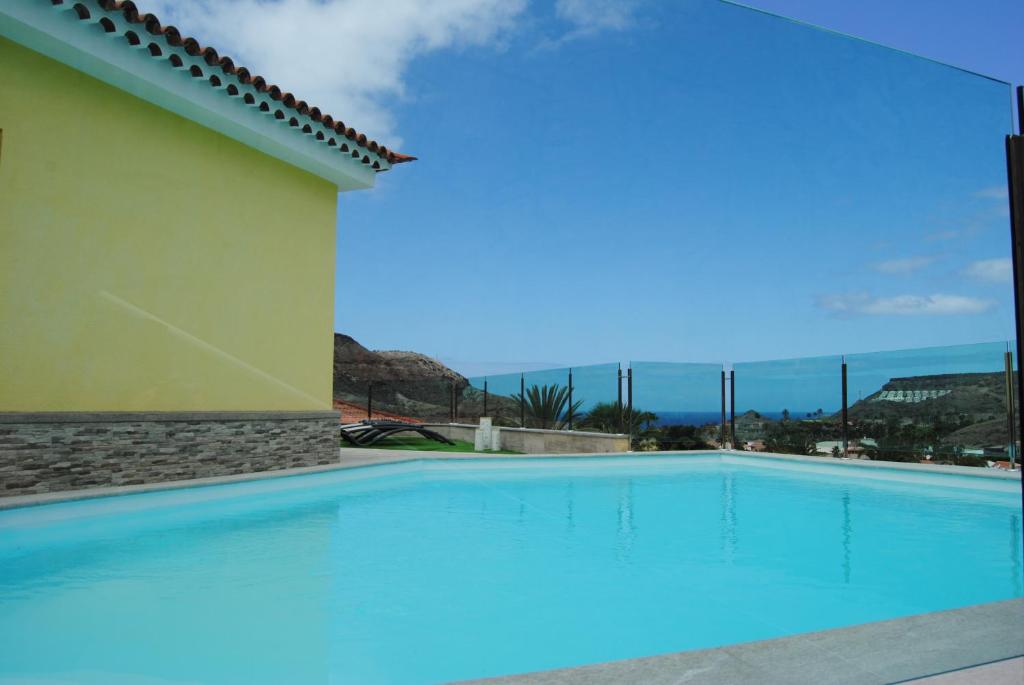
57,32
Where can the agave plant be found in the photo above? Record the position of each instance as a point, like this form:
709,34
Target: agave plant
548,405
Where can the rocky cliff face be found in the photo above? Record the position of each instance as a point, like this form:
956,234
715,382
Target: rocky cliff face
410,384
406,383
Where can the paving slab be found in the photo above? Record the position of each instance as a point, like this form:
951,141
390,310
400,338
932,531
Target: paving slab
1007,672
881,653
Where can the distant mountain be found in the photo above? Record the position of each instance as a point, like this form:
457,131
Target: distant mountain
970,397
751,426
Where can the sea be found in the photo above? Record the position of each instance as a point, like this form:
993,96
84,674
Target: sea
702,418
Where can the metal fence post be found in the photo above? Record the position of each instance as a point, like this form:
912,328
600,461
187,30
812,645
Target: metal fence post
1011,429
629,404
618,403
522,400
451,402
721,430
846,441
732,408
369,401
570,399
1015,181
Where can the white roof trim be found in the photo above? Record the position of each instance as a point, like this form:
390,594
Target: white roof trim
58,33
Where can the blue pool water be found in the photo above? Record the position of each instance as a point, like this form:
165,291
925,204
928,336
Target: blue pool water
437,571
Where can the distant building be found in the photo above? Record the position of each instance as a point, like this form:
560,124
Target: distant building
855,448
826,446
910,396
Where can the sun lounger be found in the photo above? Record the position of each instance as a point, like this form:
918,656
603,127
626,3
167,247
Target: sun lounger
368,432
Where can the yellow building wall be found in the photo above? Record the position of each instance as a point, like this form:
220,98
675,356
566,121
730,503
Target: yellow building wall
148,263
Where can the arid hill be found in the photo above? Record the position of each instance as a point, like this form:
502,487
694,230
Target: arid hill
405,383
965,397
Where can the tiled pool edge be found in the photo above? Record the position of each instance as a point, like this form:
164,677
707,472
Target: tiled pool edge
883,652
973,471
361,458
370,457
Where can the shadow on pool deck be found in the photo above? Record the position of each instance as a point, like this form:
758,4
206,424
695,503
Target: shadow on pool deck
894,651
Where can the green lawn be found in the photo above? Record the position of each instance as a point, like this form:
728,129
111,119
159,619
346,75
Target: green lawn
396,442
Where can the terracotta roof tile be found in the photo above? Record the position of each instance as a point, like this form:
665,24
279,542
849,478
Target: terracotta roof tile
190,46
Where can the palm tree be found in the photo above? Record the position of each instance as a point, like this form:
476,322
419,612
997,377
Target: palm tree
605,418
548,406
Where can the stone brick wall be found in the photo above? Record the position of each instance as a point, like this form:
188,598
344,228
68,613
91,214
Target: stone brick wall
50,452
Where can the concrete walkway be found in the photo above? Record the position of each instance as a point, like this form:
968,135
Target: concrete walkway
882,653
1008,672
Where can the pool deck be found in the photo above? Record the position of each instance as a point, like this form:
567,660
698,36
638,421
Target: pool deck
979,644
1006,672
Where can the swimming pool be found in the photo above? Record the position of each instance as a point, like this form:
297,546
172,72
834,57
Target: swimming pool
442,570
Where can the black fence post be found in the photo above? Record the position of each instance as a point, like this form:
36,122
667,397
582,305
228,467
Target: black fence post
485,398
522,400
629,404
721,433
732,408
846,440
369,400
451,402
1011,429
1015,181
618,404
570,399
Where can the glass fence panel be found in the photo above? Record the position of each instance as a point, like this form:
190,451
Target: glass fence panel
789,405
595,387
938,404
492,396
425,400
546,403
547,397
676,406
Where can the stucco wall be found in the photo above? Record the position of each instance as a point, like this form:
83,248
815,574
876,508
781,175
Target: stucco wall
150,264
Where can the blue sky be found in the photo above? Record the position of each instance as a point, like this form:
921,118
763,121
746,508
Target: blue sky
707,184
683,181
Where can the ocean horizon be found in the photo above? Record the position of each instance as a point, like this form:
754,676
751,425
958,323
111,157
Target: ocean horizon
703,418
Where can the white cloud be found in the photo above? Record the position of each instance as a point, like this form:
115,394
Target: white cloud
902,266
347,57
993,193
591,16
851,304
991,270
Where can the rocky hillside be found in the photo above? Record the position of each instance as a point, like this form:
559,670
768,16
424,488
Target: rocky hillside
984,434
967,397
405,383
751,426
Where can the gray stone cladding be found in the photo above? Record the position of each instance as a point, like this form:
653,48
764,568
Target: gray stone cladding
52,452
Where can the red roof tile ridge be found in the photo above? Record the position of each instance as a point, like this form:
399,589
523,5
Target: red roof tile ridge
212,58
